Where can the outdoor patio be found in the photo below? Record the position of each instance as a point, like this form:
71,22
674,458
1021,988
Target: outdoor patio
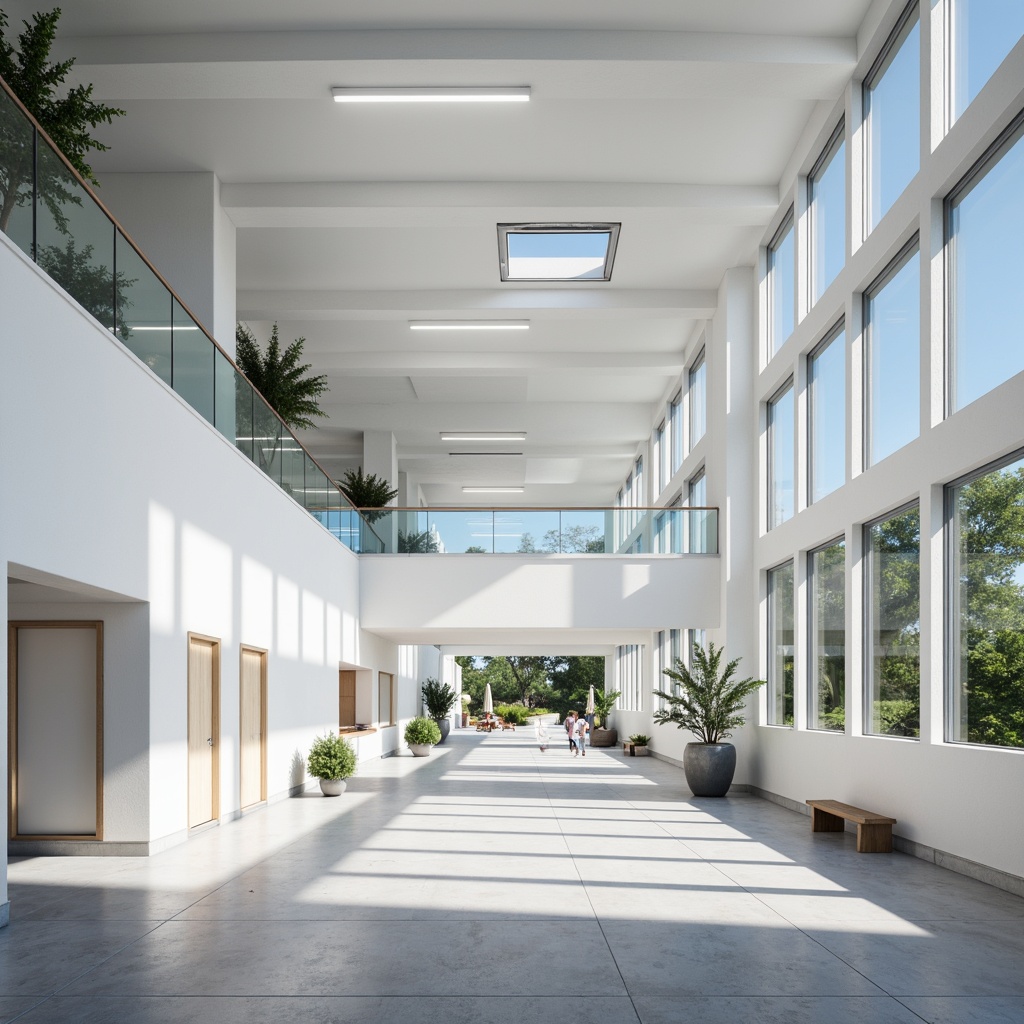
491,882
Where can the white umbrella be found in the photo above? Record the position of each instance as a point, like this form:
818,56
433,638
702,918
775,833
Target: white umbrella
488,700
590,702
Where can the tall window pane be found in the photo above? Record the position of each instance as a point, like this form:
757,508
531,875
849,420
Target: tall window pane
780,645
893,357
827,202
826,684
892,109
984,32
697,497
675,419
893,589
987,549
780,457
781,285
986,260
698,399
826,374
658,480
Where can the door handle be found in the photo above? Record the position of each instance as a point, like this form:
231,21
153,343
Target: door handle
209,740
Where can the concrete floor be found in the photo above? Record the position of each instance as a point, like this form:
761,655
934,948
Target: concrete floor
490,882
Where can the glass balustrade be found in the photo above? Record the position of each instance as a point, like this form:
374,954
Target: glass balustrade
555,531
56,221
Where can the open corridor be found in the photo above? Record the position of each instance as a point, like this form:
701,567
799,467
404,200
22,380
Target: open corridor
491,882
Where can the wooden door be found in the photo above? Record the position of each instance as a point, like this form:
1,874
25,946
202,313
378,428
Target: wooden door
252,701
346,697
203,741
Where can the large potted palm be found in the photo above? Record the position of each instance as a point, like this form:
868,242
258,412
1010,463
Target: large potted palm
708,703
439,699
603,735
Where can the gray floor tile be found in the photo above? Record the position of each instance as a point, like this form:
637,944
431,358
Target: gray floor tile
968,1009
773,1010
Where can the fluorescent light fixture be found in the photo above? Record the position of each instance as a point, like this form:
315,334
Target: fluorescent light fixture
177,327
469,325
484,455
432,94
484,435
493,490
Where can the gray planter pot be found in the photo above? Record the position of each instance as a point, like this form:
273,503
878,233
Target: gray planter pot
445,726
709,768
332,787
420,749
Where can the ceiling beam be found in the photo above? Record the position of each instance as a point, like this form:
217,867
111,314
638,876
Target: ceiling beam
430,363
652,303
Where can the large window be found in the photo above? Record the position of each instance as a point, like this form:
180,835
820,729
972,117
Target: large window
986,527
892,354
697,497
986,269
698,392
780,645
675,422
983,33
630,677
781,286
659,478
780,457
893,620
826,419
826,199
892,110
826,683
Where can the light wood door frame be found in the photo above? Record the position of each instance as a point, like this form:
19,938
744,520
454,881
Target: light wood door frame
262,653
12,724
214,642
343,697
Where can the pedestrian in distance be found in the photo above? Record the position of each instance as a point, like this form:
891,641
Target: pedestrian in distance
570,731
582,728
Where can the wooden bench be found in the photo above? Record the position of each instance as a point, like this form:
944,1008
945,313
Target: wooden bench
874,831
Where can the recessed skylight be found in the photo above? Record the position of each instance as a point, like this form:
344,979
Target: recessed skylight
432,94
469,325
484,435
557,252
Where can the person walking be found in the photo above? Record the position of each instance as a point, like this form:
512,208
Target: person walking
582,728
570,731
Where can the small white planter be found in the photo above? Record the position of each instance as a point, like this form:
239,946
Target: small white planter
421,749
332,787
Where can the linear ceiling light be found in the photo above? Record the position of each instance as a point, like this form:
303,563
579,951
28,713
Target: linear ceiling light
485,435
432,94
493,490
469,325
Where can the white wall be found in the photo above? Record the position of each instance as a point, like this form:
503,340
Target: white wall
114,482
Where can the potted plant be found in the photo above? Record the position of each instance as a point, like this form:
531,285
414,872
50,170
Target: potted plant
709,704
421,734
636,745
368,492
601,735
332,759
439,699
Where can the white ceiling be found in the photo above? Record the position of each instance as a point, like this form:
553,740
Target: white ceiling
675,117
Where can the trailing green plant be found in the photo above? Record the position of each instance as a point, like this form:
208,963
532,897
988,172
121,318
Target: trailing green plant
514,713
368,492
708,702
331,757
280,378
66,115
604,704
438,698
638,739
422,731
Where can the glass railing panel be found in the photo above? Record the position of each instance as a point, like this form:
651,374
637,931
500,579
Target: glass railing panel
293,470
74,239
16,174
144,309
525,531
266,433
192,362
586,531
244,427
225,404
316,487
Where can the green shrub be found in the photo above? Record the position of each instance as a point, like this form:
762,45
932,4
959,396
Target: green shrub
638,739
534,712
514,713
331,757
438,698
422,730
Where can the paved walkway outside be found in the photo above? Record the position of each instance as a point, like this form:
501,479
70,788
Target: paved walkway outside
491,882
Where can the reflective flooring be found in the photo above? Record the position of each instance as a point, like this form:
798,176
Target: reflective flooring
493,882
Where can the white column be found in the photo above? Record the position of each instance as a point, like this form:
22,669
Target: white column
380,455
178,222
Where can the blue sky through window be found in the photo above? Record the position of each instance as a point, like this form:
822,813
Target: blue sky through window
558,255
